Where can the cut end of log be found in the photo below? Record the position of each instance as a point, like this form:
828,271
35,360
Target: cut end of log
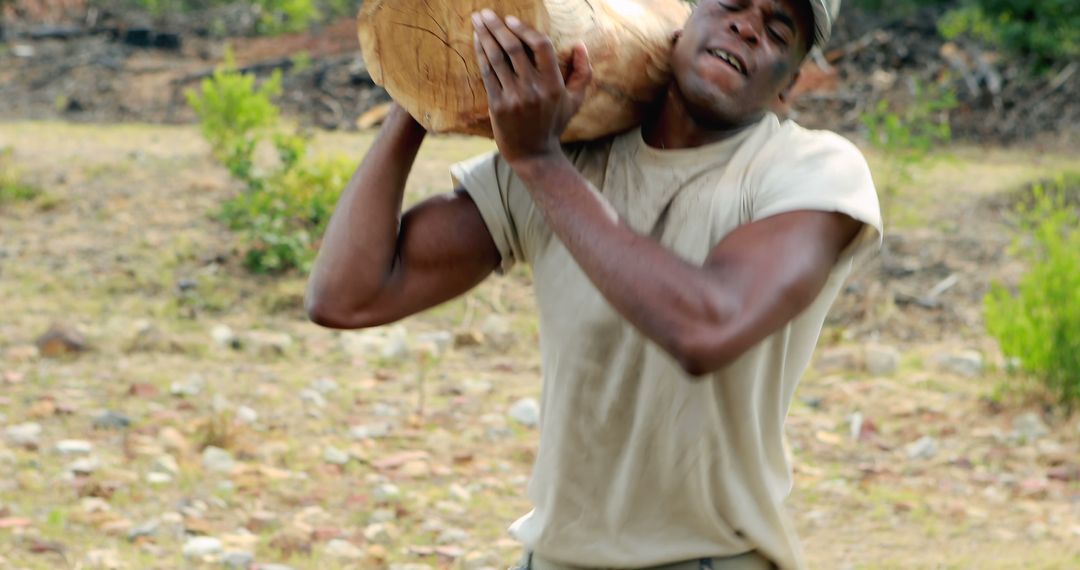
421,52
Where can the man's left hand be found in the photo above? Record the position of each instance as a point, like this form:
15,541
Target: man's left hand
529,101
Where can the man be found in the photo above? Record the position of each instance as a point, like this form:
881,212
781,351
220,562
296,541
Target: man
683,271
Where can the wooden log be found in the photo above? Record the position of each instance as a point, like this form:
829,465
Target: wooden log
422,52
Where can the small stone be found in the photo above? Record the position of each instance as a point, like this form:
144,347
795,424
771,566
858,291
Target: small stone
23,435
273,567
158,479
192,386
839,359
74,447
370,431
103,559
386,492
343,550
61,340
202,546
382,410
220,403
380,533
217,459
144,530
84,466
266,343
452,536
881,360
925,448
396,347
410,566
478,561
434,344
314,398
382,516
237,559
174,441
165,463
477,387
459,493
224,337
967,363
246,415
415,469
335,456
526,412
1029,427
92,505
262,520
149,338
497,330
324,385
111,420
464,339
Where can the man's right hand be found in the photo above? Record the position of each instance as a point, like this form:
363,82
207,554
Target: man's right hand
376,266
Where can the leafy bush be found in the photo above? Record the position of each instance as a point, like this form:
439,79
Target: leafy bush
234,115
282,16
906,136
12,186
1048,30
281,209
1039,324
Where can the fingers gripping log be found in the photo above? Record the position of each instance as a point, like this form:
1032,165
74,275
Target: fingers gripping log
421,52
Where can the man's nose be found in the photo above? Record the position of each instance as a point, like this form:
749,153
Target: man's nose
747,28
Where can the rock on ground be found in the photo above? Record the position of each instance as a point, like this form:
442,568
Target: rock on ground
526,412
201,546
217,459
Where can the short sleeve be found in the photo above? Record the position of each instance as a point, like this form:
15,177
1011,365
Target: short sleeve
489,182
820,170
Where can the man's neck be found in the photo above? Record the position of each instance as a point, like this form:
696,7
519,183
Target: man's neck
673,127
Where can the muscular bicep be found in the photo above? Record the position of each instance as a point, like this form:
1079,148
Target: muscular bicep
769,271
444,249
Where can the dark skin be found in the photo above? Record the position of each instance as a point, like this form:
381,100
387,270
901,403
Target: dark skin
754,281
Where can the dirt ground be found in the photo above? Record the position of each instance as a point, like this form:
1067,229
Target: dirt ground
926,463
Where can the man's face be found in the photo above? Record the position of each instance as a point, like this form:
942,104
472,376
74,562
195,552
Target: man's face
735,58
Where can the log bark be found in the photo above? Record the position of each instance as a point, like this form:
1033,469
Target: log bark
421,52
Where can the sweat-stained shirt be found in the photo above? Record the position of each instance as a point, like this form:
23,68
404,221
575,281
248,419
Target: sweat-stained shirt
638,463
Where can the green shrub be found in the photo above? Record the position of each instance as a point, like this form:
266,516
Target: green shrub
281,209
1039,324
282,16
905,137
13,188
279,224
234,115
1048,30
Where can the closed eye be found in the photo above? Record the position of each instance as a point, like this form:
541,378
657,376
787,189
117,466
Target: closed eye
778,36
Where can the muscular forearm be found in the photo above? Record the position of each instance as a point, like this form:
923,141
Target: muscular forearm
662,295
358,248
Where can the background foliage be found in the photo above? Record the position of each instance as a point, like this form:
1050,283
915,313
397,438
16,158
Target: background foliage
282,209
1039,323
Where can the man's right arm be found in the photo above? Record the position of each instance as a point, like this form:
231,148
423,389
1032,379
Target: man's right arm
376,266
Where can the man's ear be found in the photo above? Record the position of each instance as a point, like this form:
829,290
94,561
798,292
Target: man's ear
785,94
675,36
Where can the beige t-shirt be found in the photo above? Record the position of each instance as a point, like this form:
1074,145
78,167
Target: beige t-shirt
638,464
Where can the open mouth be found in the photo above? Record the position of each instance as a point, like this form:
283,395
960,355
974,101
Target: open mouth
729,59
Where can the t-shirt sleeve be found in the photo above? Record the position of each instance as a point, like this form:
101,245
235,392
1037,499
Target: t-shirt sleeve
490,182
818,170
